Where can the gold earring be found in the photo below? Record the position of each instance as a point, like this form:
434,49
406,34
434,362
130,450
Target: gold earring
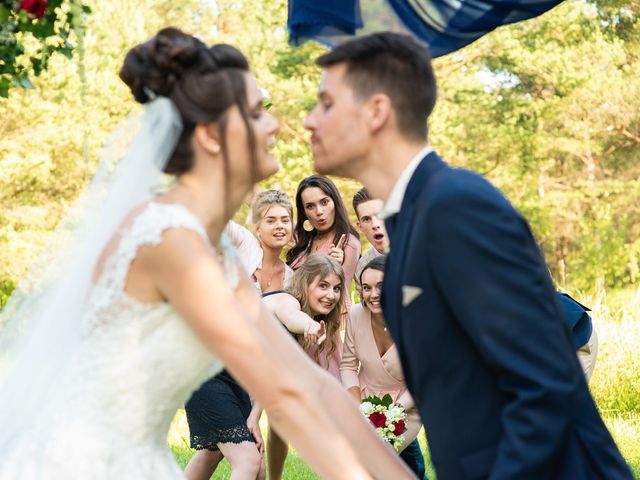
307,226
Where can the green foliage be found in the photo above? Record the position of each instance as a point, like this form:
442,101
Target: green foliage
616,381
549,110
28,40
615,384
385,401
6,288
45,130
558,134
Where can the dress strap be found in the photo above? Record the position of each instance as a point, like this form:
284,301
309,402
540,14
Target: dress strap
273,292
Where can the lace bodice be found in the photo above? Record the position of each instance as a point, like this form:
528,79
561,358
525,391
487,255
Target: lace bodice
137,364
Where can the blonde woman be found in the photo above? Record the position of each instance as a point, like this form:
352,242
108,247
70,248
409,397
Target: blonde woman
272,222
219,412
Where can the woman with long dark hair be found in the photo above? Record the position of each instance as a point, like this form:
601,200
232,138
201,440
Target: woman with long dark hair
370,362
323,227
148,299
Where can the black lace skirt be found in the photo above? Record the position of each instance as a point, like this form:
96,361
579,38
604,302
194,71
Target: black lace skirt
217,413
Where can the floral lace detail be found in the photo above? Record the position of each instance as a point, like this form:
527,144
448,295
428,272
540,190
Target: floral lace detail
235,434
146,229
136,364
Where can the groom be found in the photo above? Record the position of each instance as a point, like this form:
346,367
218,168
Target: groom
466,293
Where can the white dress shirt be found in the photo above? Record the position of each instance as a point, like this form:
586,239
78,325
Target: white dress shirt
394,202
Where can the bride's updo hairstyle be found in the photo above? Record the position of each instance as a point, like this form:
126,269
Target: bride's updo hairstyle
203,83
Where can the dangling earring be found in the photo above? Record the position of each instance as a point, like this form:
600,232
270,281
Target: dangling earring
306,225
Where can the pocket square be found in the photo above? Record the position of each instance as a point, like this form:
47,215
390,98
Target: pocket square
409,294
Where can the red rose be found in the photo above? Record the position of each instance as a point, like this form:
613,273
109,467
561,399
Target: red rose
378,419
36,7
399,427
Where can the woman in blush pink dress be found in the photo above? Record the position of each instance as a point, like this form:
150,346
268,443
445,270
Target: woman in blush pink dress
323,227
370,363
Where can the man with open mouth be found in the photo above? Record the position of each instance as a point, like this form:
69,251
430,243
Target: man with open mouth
366,209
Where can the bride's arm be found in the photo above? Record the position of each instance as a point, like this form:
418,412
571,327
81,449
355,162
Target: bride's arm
185,273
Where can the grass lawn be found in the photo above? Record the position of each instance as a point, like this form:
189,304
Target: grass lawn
615,386
294,469
616,379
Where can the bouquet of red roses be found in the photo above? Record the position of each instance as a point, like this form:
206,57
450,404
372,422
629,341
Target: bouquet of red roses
388,418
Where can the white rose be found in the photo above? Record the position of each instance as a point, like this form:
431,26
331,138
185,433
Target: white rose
366,408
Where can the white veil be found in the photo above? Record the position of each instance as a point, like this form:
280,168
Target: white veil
39,326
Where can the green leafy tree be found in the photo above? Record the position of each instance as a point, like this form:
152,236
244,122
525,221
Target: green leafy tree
52,134
548,109
31,31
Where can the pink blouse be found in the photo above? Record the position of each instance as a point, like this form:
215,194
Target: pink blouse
331,363
362,366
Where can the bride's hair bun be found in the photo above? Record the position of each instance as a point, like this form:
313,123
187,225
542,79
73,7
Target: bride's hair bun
203,83
154,67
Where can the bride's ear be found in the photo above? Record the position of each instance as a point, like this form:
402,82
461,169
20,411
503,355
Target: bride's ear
207,137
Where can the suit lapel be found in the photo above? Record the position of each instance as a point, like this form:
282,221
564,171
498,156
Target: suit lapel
399,228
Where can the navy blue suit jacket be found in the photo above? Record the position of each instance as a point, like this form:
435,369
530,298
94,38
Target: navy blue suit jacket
485,350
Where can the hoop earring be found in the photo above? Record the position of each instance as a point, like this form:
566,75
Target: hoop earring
306,225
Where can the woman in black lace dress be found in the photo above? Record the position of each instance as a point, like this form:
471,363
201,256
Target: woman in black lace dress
218,412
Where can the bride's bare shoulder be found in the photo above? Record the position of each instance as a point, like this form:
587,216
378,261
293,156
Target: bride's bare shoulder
160,241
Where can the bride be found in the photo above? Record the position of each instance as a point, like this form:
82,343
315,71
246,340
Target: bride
123,327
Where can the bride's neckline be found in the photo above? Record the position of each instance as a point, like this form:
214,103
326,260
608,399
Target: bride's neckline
184,207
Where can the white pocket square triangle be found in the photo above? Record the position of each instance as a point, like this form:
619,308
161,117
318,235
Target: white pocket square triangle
409,294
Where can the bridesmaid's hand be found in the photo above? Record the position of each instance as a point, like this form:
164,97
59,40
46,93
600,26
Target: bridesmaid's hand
253,424
337,251
314,332
322,336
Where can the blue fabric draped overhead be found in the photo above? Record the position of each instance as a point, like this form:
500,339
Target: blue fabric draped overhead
443,25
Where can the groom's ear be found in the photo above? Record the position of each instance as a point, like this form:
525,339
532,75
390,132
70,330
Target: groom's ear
378,111
207,137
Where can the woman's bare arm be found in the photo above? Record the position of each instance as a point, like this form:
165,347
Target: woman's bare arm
187,275
287,309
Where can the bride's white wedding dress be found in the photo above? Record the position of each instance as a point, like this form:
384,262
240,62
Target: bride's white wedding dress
109,413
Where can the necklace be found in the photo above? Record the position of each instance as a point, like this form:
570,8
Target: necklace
382,324
275,270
